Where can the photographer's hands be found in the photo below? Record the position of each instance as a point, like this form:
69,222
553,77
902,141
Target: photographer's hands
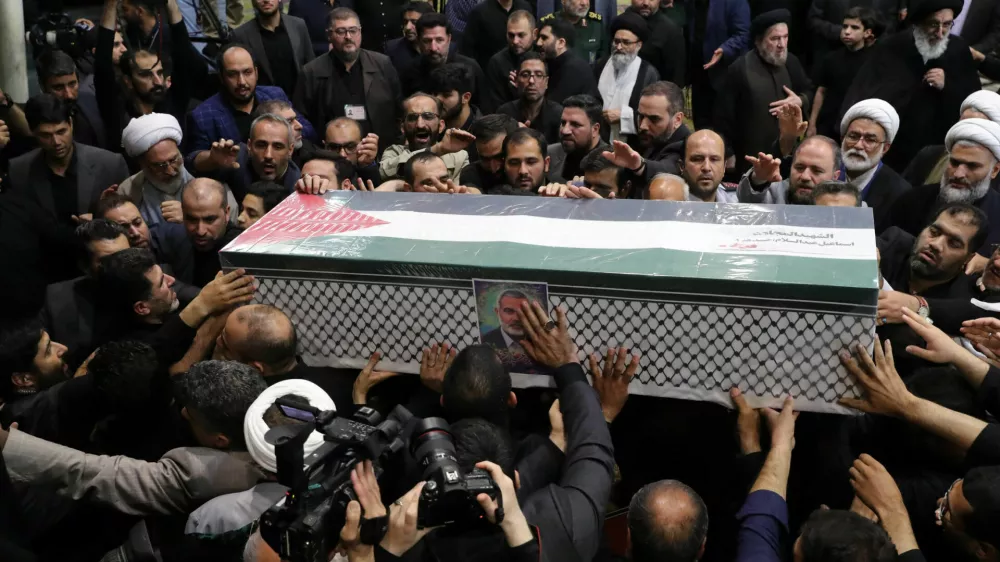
515,527
403,532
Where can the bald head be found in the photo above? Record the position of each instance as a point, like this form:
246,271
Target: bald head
704,163
206,213
667,521
204,190
259,335
342,137
667,187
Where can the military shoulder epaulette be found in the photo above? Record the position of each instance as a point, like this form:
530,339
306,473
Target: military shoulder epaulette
547,17
594,16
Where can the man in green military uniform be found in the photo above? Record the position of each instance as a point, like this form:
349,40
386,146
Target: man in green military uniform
591,40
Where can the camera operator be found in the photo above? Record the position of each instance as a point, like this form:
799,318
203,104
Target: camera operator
58,75
147,83
569,512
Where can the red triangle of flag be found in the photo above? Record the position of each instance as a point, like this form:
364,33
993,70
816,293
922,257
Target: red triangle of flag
300,217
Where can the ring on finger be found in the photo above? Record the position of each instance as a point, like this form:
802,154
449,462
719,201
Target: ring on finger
550,325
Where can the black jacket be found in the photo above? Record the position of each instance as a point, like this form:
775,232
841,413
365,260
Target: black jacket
569,514
914,209
416,78
315,95
547,122
486,29
499,90
665,49
570,75
883,191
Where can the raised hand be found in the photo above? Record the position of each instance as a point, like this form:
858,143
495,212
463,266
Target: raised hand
368,378
611,382
226,290
363,185
581,192
553,190
623,156
790,98
434,363
454,140
747,423
782,424
367,150
224,154
766,168
891,305
549,342
790,123
172,211
941,348
557,430
885,392
983,332
313,185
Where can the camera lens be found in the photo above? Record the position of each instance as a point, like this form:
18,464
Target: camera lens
433,448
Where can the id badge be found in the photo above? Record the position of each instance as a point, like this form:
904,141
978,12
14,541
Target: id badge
356,112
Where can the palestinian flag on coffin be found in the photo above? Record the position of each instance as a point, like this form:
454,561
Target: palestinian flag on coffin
645,245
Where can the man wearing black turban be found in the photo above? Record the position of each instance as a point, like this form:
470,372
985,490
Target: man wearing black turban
757,85
925,74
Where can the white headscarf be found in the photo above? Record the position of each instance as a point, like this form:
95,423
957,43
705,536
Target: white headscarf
979,131
254,426
141,133
878,111
985,102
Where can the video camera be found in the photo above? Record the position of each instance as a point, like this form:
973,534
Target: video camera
59,31
305,525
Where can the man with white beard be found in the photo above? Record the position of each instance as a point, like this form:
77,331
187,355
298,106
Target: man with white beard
152,141
757,86
622,76
924,73
868,130
974,160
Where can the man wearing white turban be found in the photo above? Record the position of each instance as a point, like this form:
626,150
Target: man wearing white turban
929,164
238,510
924,72
153,140
973,162
868,129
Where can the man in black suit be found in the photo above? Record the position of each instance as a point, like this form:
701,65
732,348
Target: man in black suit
506,339
30,361
868,129
351,82
533,107
981,25
65,177
57,75
569,73
280,44
70,312
521,37
206,213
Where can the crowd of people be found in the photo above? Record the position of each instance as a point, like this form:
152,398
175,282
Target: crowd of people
139,380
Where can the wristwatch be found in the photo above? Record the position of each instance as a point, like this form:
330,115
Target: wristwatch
923,310
637,169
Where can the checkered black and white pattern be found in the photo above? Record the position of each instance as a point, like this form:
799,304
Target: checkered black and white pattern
689,350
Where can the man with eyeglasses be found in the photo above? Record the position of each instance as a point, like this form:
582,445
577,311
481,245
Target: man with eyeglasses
280,43
343,137
532,107
868,130
153,142
973,163
924,73
423,128
623,75
351,82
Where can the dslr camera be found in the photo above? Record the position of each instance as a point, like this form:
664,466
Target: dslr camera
59,31
305,525
449,496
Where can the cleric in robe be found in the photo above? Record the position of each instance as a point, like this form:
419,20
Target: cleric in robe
756,85
622,76
925,74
